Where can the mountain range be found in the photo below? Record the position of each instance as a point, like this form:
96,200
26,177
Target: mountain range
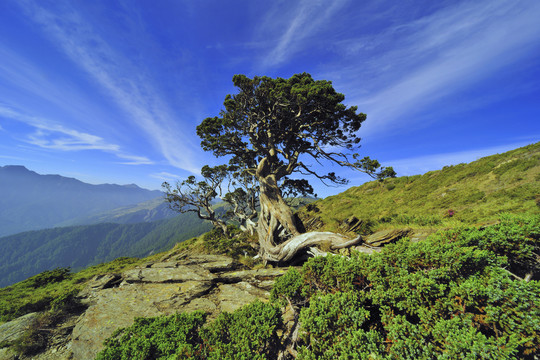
119,221
31,201
49,221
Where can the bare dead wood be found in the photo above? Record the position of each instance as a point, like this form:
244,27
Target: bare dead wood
287,250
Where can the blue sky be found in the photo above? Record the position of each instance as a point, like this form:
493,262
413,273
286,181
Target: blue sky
111,91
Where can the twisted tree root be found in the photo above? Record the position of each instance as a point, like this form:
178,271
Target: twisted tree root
286,251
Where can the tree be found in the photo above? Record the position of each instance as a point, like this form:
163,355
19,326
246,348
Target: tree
243,198
272,127
190,195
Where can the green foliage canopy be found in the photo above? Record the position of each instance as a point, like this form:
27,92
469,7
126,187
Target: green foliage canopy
279,120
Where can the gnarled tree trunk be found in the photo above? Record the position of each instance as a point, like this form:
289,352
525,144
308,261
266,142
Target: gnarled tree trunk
279,236
276,222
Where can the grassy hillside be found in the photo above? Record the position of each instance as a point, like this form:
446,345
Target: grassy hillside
476,193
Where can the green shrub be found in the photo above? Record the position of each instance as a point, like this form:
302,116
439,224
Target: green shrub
49,277
447,297
248,333
452,296
163,337
66,302
236,244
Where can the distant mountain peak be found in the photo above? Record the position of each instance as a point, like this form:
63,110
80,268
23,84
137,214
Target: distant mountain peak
15,168
132,186
31,201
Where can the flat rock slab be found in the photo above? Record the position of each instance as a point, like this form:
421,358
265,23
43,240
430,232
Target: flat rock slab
387,236
258,274
421,235
179,273
234,296
117,307
367,250
100,282
213,263
14,329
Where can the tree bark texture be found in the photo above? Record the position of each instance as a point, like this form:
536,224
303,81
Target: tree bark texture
287,250
276,222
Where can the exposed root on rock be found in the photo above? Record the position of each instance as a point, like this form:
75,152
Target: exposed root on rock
287,250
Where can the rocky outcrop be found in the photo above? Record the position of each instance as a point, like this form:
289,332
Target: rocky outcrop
13,330
211,283
384,237
175,283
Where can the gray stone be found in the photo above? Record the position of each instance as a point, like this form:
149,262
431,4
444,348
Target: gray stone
387,236
100,282
234,296
366,250
202,304
177,284
117,307
168,274
352,224
15,328
258,274
421,234
213,263
167,264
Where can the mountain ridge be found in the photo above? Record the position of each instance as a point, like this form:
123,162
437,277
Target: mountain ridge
31,201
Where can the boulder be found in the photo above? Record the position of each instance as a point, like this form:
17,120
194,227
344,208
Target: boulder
100,282
164,273
117,307
352,224
386,236
258,275
15,328
234,296
177,284
213,263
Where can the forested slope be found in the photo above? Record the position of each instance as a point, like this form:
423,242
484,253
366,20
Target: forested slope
26,254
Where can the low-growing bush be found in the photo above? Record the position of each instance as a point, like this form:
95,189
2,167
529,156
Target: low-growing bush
236,244
455,295
163,337
248,333
452,296
49,277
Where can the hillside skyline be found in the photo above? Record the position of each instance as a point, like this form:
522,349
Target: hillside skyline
112,92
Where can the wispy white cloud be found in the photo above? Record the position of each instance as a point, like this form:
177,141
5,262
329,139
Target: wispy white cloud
134,160
165,176
49,135
12,158
409,67
307,19
126,84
